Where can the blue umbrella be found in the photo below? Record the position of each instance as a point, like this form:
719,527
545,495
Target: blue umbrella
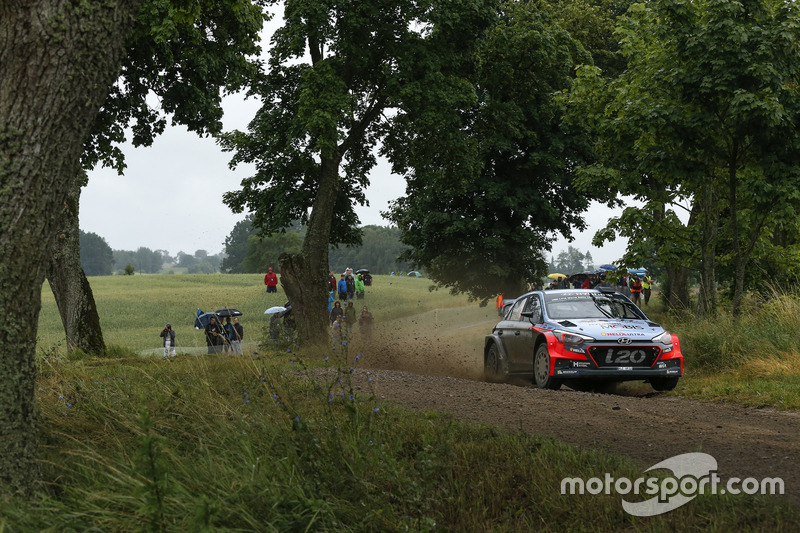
637,271
606,268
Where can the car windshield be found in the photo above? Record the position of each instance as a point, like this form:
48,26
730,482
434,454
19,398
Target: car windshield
589,305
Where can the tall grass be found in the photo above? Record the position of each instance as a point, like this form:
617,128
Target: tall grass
266,444
753,359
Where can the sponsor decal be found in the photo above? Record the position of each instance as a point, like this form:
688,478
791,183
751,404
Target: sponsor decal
581,364
621,326
566,372
623,368
623,334
576,350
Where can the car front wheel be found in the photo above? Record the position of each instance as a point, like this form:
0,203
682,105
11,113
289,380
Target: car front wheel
664,384
541,370
493,369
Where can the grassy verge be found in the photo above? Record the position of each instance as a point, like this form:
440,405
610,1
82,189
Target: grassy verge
753,360
247,444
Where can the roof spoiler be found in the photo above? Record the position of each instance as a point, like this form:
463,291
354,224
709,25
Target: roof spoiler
607,290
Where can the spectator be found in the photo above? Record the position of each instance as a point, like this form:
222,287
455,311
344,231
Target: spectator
350,282
275,328
360,287
228,327
271,281
238,336
215,336
365,322
636,289
336,330
336,312
586,283
168,340
647,286
342,288
332,281
350,316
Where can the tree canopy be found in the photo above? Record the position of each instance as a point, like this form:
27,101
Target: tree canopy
482,205
704,115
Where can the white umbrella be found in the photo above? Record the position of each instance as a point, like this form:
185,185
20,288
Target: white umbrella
273,310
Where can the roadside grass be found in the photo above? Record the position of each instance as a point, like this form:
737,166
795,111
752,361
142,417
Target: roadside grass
214,443
253,443
753,360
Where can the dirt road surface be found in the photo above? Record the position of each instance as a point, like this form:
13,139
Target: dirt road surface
434,361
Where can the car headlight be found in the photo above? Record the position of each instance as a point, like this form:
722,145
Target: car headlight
568,337
664,337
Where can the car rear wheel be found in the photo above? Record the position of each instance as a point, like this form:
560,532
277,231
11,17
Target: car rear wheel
493,365
541,370
664,384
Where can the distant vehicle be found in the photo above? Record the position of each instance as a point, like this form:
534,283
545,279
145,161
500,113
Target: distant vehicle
581,338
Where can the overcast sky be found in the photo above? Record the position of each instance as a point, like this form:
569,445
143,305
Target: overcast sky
170,197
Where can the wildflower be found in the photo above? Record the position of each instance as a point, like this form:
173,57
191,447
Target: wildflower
369,380
263,379
344,343
69,405
297,419
351,398
376,409
291,362
274,396
358,356
60,397
326,359
288,350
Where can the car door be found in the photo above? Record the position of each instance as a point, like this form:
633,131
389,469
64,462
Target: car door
516,334
531,315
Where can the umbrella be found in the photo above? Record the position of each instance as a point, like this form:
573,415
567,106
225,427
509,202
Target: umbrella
227,311
362,271
201,321
555,275
275,309
637,271
414,273
606,268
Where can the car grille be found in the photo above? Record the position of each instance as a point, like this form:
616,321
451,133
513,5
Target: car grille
614,356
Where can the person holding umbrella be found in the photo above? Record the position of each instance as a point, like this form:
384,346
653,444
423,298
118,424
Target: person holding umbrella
215,336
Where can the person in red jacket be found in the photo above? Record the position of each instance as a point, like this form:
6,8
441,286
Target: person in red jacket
271,281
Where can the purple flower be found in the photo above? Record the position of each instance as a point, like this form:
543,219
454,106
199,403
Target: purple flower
326,359
376,409
263,379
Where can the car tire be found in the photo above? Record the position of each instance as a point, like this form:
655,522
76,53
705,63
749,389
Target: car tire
664,384
494,368
541,370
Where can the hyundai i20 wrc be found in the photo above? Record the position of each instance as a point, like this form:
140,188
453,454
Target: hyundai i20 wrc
581,338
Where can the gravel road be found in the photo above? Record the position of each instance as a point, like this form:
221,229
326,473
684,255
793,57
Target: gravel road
434,362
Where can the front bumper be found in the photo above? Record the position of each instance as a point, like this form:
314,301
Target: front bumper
572,369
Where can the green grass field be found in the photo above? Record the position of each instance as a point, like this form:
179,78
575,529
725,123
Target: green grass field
206,443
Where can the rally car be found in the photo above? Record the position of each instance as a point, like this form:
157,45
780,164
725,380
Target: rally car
581,337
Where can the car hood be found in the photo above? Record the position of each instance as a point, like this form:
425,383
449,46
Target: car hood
610,329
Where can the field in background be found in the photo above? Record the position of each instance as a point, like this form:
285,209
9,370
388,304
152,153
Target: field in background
134,309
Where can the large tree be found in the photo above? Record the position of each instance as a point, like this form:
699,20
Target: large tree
184,54
479,215
706,111
340,72
57,60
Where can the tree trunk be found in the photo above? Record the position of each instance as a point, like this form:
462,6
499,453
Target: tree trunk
677,287
57,61
71,289
707,301
304,276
